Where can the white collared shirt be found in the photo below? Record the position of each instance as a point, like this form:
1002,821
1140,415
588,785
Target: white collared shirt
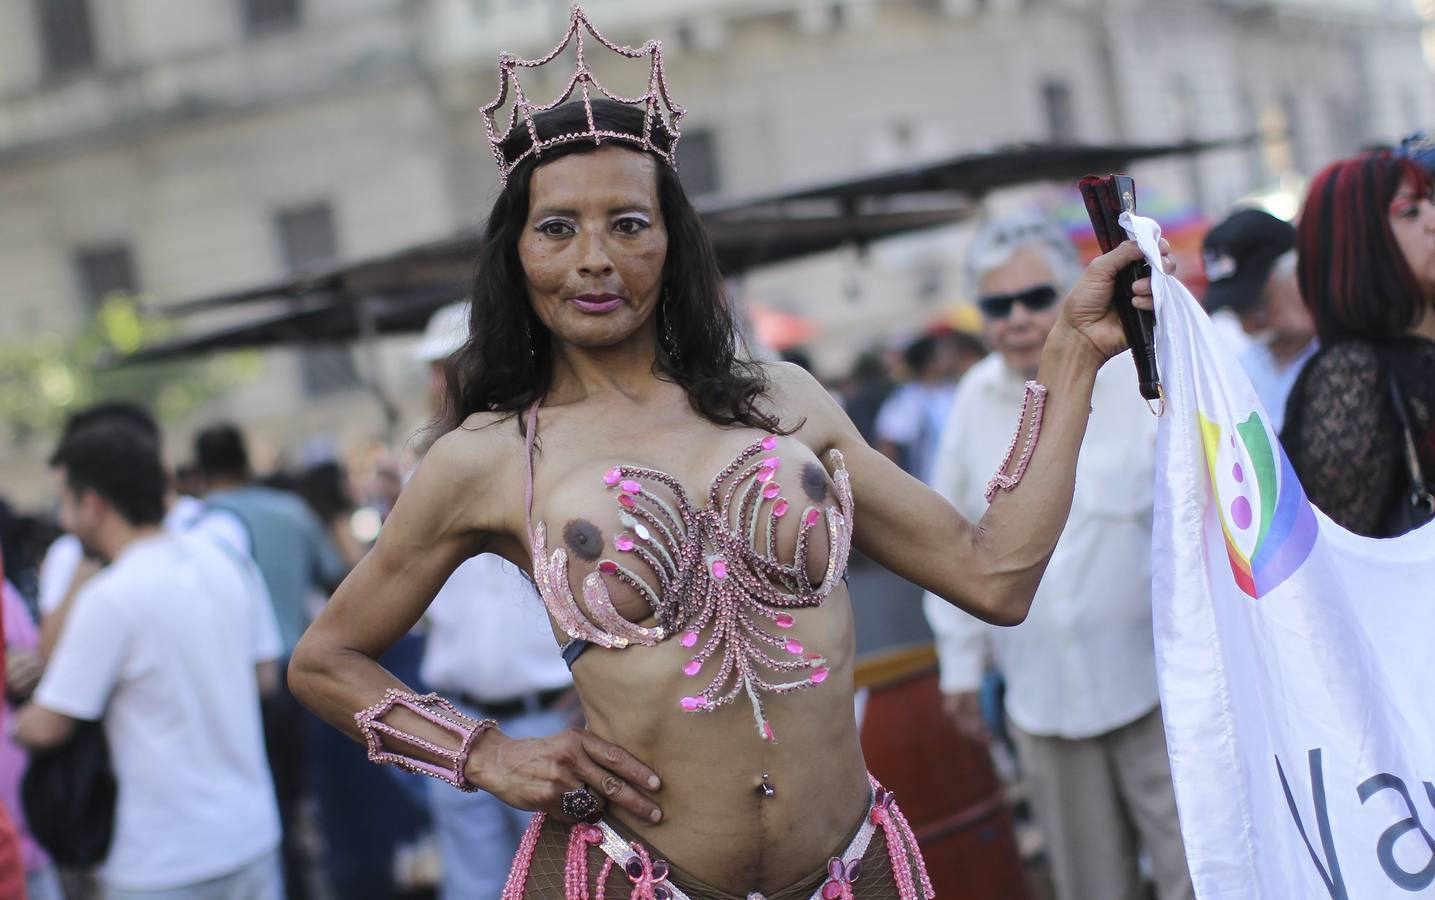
489,635
1083,663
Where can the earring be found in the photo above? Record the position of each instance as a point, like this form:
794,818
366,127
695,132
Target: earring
528,332
669,342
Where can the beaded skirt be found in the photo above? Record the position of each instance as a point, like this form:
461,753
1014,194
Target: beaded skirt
557,861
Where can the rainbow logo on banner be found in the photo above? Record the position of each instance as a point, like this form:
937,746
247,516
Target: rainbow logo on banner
1268,523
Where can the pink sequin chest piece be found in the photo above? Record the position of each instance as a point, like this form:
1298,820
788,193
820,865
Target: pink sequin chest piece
720,588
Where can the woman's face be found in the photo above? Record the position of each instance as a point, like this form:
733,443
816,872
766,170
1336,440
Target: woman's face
594,245
1412,219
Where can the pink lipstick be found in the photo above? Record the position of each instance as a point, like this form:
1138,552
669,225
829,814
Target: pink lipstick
597,304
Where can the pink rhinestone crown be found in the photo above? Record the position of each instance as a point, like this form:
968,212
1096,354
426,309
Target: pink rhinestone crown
584,83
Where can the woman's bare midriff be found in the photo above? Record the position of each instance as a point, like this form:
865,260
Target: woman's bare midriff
717,824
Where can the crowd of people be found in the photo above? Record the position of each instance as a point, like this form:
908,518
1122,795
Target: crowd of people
149,629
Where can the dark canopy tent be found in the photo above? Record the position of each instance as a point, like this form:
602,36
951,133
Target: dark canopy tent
395,293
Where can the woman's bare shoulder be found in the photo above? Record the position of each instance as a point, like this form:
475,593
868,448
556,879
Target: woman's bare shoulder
802,403
478,441
475,467
790,384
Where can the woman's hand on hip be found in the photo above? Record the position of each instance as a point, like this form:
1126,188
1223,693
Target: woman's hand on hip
535,773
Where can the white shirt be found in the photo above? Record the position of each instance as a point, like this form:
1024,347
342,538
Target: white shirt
224,527
1272,380
1083,662
162,644
57,570
489,635
1230,331
914,417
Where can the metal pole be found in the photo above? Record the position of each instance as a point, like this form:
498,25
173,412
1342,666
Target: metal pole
367,311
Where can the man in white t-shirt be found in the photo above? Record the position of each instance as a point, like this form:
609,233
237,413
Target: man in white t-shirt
168,645
65,568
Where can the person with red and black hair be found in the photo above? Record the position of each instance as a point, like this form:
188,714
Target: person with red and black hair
1366,244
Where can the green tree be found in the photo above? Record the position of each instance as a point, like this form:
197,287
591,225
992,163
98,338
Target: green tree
44,378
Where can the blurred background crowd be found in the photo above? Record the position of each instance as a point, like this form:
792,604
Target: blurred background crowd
237,233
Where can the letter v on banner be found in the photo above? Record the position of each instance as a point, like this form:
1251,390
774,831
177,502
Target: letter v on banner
1330,872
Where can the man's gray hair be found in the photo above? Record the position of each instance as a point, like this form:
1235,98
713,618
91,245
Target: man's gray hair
998,240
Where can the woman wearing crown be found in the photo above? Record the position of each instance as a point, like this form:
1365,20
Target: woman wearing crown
687,516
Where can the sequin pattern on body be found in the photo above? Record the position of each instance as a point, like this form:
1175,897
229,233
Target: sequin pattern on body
720,588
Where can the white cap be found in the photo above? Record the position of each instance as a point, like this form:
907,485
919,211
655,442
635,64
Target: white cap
446,332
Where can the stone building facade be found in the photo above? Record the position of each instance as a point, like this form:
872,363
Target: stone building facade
180,148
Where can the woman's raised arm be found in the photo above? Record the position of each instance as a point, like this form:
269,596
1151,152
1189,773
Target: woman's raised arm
990,568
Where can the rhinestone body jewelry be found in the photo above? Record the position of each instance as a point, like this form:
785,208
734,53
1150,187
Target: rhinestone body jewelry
720,588
1033,405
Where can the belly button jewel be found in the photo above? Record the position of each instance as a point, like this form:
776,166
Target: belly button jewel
766,789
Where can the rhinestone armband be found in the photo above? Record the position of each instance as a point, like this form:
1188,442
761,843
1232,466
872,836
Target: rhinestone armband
435,709
1032,406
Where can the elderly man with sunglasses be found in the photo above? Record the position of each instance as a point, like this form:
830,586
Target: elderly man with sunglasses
1081,697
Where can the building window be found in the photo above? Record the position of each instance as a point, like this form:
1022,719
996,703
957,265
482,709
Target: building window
65,36
1256,173
306,236
1345,125
697,162
1185,118
307,241
102,271
1410,109
263,17
1056,105
1292,119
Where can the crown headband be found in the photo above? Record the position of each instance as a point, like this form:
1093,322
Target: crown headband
582,81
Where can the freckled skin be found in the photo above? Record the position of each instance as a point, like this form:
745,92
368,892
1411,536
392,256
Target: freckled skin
814,482
584,539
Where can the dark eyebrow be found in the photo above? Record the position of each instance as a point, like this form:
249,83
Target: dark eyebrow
573,213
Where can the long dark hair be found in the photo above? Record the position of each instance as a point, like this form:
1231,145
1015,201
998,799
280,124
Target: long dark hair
506,365
1353,275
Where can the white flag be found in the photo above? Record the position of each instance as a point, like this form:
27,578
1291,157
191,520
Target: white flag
1296,660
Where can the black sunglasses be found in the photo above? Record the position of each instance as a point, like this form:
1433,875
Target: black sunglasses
998,306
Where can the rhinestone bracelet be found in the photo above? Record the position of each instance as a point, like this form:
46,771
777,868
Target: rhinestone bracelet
432,708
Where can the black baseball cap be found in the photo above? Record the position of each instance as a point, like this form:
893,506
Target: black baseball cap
1239,253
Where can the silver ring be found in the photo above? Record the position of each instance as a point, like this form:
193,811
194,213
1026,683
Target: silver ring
580,804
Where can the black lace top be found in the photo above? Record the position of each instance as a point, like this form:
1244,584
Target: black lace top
1342,435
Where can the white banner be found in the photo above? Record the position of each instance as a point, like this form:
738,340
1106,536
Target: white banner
1296,660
